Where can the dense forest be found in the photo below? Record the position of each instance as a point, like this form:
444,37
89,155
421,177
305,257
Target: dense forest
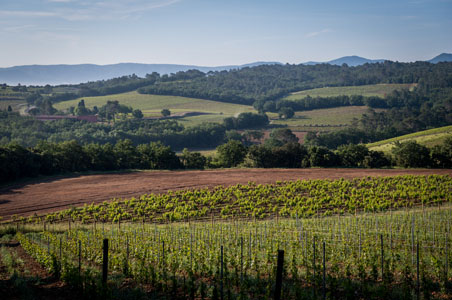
250,84
272,82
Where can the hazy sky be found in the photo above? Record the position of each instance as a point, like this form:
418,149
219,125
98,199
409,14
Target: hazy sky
214,32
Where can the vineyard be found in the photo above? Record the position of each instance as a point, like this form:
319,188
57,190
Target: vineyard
370,238
305,198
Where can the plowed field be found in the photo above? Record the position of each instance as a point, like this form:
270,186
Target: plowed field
51,194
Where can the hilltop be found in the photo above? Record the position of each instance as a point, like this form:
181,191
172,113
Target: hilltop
75,74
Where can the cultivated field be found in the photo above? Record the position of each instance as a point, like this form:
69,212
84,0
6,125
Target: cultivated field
151,105
327,119
380,90
15,104
347,238
427,138
56,193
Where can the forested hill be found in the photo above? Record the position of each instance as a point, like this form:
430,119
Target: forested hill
75,74
271,82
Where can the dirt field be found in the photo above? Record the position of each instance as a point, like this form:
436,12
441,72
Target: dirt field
59,193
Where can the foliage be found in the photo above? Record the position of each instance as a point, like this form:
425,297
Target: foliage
246,120
304,198
193,160
271,82
109,110
27,131
411,155
165,112
286,112
231,154
53,158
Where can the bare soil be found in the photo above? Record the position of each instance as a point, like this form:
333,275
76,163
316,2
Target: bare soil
53,194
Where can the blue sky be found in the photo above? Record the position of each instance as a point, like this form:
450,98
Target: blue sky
211,32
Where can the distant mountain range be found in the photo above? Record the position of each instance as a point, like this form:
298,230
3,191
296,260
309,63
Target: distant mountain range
441,58
74,74
351,61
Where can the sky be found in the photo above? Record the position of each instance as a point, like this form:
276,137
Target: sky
220,32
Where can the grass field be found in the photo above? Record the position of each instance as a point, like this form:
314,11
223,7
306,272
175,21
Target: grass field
15,104
151,105
380,90
427,138
322,119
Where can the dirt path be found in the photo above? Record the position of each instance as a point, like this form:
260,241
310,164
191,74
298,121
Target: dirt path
60,193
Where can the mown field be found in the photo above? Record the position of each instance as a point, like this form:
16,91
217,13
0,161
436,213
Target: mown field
362,238
380,90
429,138
151,105
318,120
15,104
327,119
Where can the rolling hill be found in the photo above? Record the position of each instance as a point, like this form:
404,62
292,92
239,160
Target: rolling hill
443,57
351,61
428,138
380,90
151,105
74,74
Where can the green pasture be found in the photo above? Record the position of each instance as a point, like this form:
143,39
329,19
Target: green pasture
322,119
427,138
151,105
380,90
15,104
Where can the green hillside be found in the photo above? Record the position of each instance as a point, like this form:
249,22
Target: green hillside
214,111
326,119
428,138
151,105
15,104
380,90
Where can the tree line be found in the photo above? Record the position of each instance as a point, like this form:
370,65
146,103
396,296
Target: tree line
27,131
310,103
429,105
281,150
272,82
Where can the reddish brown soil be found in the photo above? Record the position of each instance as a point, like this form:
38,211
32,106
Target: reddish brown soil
60,193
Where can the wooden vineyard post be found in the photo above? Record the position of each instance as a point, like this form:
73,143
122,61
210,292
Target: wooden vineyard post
241,259
359,250
105,262
279,273
446,264
418,287
163,254
382,257
221,273
324,273
126,263
313,263
412,241
79,257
